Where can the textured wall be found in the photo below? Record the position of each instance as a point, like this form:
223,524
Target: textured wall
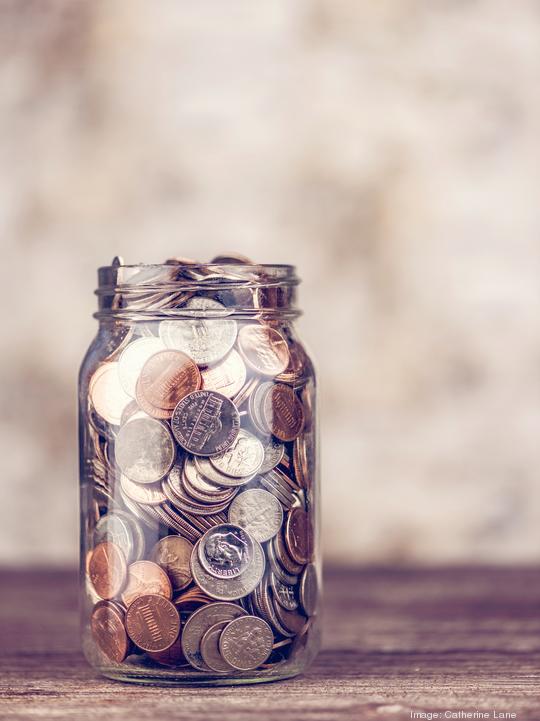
389,149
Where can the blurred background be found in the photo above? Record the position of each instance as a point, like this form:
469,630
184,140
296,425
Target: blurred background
391,150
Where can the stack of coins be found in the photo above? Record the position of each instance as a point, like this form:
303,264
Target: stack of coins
199,449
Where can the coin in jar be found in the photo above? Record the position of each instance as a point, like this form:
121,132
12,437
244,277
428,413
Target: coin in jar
243,457
273,454
205,423
173,554
152,623
107,569
133,358
227,377
258,512
246,642
299,535
108,630
168,376
229,589
264,349
107,395
149,494
309,589
210,652
116,528
199,622
144,450
144,578
226,550
283,412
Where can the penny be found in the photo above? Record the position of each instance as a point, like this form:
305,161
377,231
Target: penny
172,656
133,358
148,493
225,551
205,423
144,578
243,458
283,412
144,450
298,535
210,652
107,570
152,623
284,593
114,527
309,589
198,624
264,349
107,395
229,589
167,377
293,621
283,555
246,642
173,554
258,512
160,414
108,631
227,377
273,454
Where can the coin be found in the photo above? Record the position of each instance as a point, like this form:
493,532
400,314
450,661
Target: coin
147,493
309,589
284,593
167,377
243,457
114,527
264,349
246,642
108,631
144,450
160,414
107,569
229,589
205,340
210,652
226,551
133,358
298,535
173,554
107,395
152,623
282,412
211,474
258,512
293,621
283,555
205,423
198,624
172,656
227,377
144,578
273,454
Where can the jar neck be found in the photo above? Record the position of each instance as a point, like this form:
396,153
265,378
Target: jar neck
133,293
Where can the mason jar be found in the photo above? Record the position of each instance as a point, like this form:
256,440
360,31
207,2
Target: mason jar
198,467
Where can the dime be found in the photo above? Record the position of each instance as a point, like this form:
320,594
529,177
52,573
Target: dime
284,594
243,458
298,535
273,454
229,589
167,377
264,349
133,358
114,527
211,474
227,377
144,450
205,423
226,551
173,554
144,578
258,512
107,569
283,412
152,623
246,642
198,624
210,652
108,630
149,494
205,340
107,395
309,589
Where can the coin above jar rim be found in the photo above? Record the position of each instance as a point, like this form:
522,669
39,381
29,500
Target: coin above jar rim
205,423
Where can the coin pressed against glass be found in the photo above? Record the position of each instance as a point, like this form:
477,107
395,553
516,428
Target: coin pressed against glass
309,589
246,642
107,569
144,450
283,412
298,535
106,393
133,358
114,527
173,554
167,377
264,349
258,512
152,623
205,423
108,631
143,578
227,377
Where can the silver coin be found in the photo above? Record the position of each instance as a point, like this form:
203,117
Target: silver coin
133,358
226,551
284,593
210,652
227,377
149,494
277,568
107,395
144,450
229,589
112,527
199,482
205,340
198,624
309,589
243,458
246,642
258,511
273,454
208,471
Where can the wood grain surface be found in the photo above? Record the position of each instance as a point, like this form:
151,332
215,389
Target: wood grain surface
396,641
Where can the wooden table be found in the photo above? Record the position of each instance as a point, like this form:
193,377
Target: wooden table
396,641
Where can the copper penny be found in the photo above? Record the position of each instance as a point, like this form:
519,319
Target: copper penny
173,554
283,412
205,423
152,623
299,535
172,656
144,404
107,569
108,630
167,377
264,349
144,578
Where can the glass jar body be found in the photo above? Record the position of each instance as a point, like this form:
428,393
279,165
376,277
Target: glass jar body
200,559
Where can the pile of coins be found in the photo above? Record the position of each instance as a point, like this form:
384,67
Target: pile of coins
199,453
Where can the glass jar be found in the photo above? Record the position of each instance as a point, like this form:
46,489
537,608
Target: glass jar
198,469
